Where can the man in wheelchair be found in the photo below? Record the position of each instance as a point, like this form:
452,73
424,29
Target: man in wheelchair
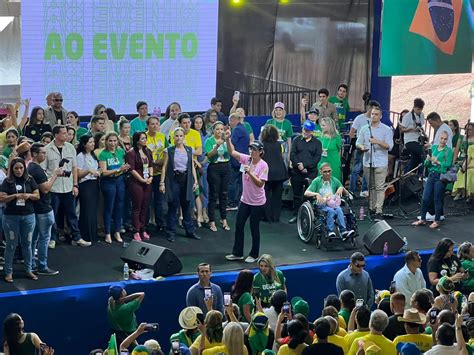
327,190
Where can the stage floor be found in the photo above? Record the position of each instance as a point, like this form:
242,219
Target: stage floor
101,262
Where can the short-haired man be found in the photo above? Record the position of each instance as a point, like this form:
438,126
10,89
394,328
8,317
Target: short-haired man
375,140
56,113
138,124
43,211
325,108
65,189
360,121
410,277
356,279
241,140
341,103
198,293
378,323
171,118
216,105
434,119
445,338
157,143
305,155
49,99
412,128
97,125
412,321
361,317
395,326
322,328
192,138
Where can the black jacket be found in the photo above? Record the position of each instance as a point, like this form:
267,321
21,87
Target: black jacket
308,153
277,170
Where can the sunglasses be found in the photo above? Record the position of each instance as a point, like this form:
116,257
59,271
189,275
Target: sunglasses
359,265
58,100
101,112
327,171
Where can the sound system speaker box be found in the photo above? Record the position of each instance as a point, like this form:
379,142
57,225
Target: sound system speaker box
163,261
410,186
380,233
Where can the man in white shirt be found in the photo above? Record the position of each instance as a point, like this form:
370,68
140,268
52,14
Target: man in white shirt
439,126
410,278
171,122
445,338
412,127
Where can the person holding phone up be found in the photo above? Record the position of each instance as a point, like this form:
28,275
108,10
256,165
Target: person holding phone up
218,173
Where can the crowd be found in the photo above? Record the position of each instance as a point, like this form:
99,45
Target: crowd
257,315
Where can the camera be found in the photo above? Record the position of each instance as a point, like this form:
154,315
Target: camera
66,173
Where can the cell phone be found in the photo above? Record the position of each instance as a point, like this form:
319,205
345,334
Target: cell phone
124,352
256,292
237,95
433,315
223,136
393,288
200,318
286,308
207,292
465,317
152,327
305,95
227,299
359,302
175,347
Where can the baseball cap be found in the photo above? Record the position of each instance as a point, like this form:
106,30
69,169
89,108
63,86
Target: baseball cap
256,145
408,349
313,110
309,126
279,105
445,284
299,305
115,291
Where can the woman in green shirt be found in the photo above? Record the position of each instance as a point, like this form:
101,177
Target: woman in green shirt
331,143
439,162
466,256
12,141
72,119
268,279
241,295
284,127
217,175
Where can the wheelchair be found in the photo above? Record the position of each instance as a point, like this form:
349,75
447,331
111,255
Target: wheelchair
311,221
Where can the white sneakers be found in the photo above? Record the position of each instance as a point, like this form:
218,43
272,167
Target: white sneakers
249,259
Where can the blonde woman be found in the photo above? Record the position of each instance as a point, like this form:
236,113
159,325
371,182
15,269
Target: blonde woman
268,279
284,127
233,340
331,143
211,333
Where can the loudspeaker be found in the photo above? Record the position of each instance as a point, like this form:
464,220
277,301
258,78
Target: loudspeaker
163,261
380,233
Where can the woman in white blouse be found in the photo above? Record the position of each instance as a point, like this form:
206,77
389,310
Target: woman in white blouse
88,174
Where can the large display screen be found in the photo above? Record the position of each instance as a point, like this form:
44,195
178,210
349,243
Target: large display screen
116,52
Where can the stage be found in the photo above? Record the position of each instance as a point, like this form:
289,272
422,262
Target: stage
101,262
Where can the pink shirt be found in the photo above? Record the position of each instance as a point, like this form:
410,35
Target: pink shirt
252,194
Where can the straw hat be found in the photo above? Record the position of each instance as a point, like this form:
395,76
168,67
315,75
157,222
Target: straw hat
188,317
412,316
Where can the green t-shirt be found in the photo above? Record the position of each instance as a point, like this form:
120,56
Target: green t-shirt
445,159
468,265
122,316
183,338
248,127
344,313
222,155
318,183
113,160
137,125
7,151
246,298
285,130
342,108
267,287
80,132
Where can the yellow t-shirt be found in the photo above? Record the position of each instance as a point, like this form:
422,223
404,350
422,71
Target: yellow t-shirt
341,332
342,322
207,345
336,340
383,343
157,145
3,140
220,350
192,139
349,338
424,342
286,350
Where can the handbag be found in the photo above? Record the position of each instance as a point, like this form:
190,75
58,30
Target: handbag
451,174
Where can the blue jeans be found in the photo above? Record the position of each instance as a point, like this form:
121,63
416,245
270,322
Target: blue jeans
68,203
330,214
113,190
204,187
235,186
41,237
178,193
434,189
18,230
158,201
356,170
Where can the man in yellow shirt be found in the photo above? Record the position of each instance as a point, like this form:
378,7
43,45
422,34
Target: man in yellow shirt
412,320
378,323
192,138
361,316
333,338
157,143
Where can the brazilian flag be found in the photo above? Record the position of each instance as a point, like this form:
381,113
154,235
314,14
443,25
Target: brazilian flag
426,37
112,348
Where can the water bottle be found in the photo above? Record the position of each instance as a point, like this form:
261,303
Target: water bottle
155,112
361,213
385,250
405,244
125,272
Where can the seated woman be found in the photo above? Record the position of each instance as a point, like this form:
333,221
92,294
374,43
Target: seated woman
328,191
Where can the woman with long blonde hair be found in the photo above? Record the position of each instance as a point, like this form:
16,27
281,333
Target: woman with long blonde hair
233,340
331,143
268,280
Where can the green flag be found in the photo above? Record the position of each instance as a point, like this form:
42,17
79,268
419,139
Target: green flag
112,349
425,37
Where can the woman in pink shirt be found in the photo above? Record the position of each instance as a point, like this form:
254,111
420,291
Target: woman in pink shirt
252,202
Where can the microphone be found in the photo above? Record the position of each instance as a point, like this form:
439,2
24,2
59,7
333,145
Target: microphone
370,128
250,162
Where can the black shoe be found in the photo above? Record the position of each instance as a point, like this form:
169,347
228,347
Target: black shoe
159,228
47,272
170,238
378,217
194,236
293,220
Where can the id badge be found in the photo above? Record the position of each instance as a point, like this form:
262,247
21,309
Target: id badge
324,153
146,173
20,202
